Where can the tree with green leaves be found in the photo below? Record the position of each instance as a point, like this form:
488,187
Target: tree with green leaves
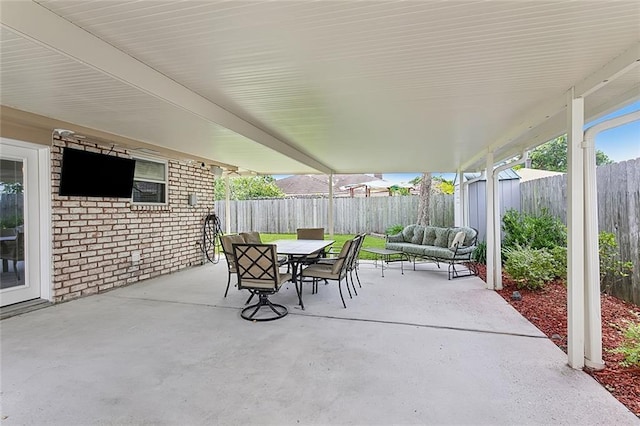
552,156
248,188
397,190
444,186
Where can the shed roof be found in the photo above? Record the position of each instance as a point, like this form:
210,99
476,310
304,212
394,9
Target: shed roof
533,174
508,174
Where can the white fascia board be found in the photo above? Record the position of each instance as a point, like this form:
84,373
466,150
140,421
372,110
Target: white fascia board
36,23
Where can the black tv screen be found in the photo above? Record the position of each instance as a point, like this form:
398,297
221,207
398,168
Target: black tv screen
90,174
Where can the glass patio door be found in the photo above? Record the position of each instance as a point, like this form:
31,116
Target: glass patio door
19,224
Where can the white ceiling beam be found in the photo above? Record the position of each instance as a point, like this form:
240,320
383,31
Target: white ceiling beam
538,116
42,26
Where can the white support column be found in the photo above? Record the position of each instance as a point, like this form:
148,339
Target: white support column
490,235
593,310
459,201
593,314
575,225
227,206
497,216
497,225
465,205
330,207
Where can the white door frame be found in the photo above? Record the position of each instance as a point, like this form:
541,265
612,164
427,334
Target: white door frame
43,232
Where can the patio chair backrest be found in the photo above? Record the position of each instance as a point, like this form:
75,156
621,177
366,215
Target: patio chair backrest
310,233
358,240
342,261
227,247
252,237
257,266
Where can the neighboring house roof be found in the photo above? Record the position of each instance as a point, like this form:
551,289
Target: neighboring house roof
533,174
303,185
319,184
378,184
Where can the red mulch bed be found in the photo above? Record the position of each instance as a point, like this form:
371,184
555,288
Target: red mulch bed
547,310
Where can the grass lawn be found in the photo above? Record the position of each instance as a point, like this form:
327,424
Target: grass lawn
369,241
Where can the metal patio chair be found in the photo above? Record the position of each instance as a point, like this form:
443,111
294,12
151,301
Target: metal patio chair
227,248
254,237
259,272
311,234
335,271
352,262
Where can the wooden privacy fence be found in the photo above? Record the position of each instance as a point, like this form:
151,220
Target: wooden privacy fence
350,215
618,212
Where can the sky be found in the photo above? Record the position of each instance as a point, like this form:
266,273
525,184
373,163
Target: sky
620,143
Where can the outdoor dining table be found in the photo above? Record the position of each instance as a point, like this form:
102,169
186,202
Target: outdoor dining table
297,251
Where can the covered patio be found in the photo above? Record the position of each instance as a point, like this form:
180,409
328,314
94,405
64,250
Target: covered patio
412,348
211,89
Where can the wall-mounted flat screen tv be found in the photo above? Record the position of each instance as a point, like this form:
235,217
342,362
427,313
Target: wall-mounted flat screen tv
90,174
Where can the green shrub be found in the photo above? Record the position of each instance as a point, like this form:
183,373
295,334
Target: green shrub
480,253
612,269
630,347
536,232
559,255
395,229
530,268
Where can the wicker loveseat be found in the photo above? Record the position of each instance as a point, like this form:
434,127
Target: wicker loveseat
436,244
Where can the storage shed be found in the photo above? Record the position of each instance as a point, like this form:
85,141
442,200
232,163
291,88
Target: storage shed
508,190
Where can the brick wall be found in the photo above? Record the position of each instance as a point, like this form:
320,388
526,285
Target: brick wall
93,238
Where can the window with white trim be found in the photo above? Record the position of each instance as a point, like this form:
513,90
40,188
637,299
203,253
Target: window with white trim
150,182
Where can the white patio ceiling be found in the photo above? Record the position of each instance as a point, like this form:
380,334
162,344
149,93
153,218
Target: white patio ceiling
302,87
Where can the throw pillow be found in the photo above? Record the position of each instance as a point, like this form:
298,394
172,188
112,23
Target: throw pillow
407,232
418,233
442,237
429,236
452,235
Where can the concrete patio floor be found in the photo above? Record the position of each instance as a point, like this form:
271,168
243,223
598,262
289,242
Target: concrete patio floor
409,349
